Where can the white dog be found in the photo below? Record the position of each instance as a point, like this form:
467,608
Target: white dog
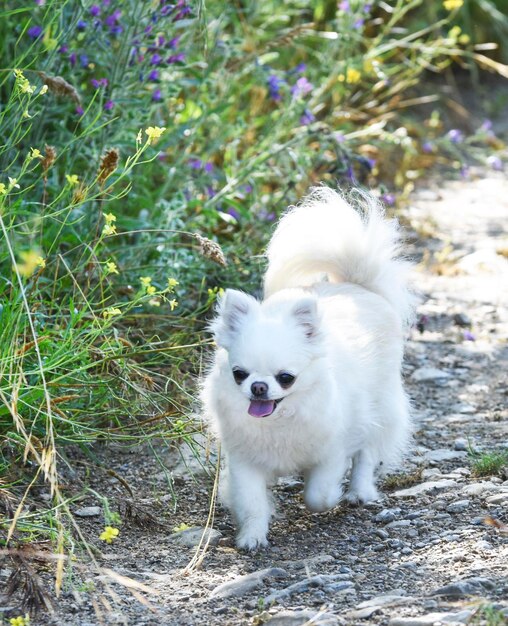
309,380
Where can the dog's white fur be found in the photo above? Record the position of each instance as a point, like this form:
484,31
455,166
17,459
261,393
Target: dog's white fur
336,310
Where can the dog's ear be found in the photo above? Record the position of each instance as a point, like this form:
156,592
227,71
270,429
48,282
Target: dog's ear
232,310
307,317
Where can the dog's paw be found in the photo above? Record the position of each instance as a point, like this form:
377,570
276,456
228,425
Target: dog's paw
251,541
363,496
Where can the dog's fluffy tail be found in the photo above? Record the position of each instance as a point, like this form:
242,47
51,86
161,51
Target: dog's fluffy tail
325,238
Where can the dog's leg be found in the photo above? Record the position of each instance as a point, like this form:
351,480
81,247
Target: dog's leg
323,485
248,498
362,486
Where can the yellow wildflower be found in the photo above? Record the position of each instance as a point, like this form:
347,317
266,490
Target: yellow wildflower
3,189
145,280
109,534
139,136
108,229
352,76
450,5
154,302
43,90
172,283
154,133
35,154
181,527
109,217
13,183
150,290
25,86
111,268
20,620
72,179
111,312
173,304
30,261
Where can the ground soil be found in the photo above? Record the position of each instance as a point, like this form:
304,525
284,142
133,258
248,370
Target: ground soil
386,563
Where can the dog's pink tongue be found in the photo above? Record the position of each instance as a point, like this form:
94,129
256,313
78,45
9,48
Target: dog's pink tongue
261,408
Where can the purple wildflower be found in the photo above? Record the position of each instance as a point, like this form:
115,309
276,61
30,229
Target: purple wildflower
495,162
307,118
367,8
233,212
95,10
83,59
173,43
486,126
344,6
177,58
468,336
302,87
34,32
109,105
153,75
358,24
339,137
63,49
157,95
156,59
465,172
106,3
81,25
182,13
210,191
268,216
274,83
427,147
388,199
73,58
113,22
195,164
79,110
97,83
455,135
208,167
300,68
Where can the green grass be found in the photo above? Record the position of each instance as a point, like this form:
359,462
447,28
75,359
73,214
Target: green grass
489,463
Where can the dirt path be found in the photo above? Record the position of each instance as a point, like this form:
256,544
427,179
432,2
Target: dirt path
421,556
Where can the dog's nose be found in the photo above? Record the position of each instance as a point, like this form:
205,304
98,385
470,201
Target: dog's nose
259,389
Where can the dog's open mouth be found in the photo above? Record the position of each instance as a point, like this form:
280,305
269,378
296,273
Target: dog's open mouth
263,408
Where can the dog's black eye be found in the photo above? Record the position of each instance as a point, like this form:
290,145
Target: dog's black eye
284,379
240,376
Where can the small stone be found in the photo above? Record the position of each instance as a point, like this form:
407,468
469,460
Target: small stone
459,506
460,617
382,534
427,487
192,536
479,489
461,445
483,545
462,320
430,375
244,584
443,454
499,498
298,618
467,587
387,515
88,511
400,523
